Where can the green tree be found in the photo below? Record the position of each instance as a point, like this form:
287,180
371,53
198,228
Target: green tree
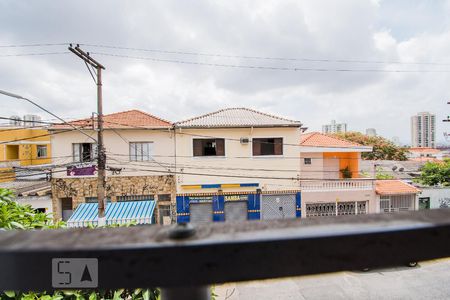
383,149
436,173
16,216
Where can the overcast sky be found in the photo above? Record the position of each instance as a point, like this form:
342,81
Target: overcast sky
366,31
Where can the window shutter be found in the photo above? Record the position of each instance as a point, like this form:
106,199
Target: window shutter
76,152
94,151
256,147
220,147
198,147
278,146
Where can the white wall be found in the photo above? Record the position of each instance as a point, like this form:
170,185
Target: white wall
238,159
37,202
117,149
438,196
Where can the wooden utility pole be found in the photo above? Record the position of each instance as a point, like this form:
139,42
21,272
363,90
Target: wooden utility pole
101,159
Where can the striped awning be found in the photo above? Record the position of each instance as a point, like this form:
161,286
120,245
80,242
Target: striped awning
139,212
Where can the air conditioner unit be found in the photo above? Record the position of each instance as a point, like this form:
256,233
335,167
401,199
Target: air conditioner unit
244,140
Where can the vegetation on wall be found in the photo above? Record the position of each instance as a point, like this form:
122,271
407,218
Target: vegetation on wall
436,173
383,149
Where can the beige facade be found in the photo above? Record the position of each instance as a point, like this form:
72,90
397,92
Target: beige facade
238,165
125,175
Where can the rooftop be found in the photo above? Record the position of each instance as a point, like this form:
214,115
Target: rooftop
237,117
423,150
121,120
394,187
317,139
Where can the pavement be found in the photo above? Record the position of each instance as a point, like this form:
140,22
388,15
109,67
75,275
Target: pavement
429,280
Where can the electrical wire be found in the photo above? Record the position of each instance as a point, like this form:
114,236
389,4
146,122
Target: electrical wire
34,54
271,68
358,61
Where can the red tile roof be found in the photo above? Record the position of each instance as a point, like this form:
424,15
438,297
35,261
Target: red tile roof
394,187
423,150
316,139
121,120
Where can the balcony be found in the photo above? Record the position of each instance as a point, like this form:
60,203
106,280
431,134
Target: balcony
337,185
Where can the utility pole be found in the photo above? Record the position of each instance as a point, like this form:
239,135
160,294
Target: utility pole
101,159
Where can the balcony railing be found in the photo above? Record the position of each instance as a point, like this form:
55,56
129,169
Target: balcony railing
184,260
336,185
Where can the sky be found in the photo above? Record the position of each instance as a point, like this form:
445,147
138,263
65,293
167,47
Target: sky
198,56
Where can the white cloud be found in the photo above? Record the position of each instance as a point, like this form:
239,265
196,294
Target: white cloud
354,29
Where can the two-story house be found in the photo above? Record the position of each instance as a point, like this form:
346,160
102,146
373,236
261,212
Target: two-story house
22,147
237,164
331,179
139,152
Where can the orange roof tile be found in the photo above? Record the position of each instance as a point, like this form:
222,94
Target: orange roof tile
394,187
121,120
423,150
316,139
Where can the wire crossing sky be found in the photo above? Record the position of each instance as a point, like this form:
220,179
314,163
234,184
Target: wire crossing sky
369,63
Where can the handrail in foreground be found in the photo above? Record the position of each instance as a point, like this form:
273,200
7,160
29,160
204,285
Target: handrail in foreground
175,257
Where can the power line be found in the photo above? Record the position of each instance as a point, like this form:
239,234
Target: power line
256,67
34,54
216,137
46,110
358,61
36,136
33,45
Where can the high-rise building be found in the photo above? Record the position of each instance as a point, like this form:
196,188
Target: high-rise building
334,127
371,132
423,130
31,120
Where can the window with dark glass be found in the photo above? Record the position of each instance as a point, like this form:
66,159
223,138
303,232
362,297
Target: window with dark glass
307,161
41,151
209,147
84,152
267,146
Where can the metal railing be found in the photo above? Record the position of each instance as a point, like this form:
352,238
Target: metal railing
184,260
336,185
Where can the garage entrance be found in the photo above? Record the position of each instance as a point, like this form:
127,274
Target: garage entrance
278,206
201,213
236,211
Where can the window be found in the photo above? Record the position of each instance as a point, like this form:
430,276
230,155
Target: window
267,146
135,198
94,199
209,147
41,151
307,161
164,215
84,152
141,151
66,208
164,197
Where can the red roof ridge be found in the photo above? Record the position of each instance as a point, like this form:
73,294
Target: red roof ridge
306,136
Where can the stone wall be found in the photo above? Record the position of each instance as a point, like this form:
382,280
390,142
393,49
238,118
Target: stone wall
80,188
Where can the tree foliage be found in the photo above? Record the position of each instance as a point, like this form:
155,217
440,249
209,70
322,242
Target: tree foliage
436,173
16,216
383,149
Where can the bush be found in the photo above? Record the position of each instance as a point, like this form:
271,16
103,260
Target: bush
16,216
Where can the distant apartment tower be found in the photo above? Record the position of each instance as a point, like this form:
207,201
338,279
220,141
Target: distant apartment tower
371,132
334,127
423,130
31,120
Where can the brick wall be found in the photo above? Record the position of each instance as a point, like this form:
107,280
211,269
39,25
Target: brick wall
80,188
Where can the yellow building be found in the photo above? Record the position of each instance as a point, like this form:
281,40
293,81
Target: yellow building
22,147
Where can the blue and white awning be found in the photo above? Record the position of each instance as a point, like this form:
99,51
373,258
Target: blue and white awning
139,212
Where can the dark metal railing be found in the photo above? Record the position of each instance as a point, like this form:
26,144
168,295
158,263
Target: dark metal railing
183,260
